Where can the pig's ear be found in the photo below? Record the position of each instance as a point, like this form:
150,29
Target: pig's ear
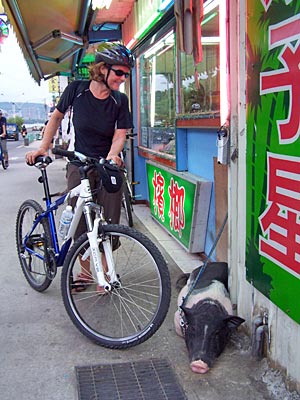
233,321
181,281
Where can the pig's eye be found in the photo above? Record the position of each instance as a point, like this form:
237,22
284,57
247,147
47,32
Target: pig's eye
217,333
191,330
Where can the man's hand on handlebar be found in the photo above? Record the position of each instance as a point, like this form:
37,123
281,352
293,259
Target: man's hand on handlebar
116,160
32,155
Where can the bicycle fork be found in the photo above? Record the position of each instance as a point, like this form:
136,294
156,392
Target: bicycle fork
94,242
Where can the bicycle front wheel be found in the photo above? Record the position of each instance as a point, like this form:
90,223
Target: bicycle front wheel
133,310
35,269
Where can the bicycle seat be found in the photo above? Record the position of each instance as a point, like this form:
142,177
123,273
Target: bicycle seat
41,162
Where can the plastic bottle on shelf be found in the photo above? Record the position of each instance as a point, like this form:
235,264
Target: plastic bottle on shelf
65,222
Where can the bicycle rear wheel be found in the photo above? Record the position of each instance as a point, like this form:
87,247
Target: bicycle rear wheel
34,269
2,158
127,205
130,313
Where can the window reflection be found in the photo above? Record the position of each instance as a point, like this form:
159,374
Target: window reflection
200,84
157,85
197,89
200,87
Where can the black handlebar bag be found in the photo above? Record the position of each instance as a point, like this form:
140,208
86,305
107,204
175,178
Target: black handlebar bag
110,176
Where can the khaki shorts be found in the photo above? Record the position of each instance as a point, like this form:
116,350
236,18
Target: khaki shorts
111,202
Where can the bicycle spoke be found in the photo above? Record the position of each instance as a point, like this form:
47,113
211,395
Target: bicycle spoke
134,308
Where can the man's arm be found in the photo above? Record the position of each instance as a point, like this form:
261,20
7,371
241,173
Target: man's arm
117,146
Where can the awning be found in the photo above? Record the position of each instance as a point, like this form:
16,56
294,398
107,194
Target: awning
55,35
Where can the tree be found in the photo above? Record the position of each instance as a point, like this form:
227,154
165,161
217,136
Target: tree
16,120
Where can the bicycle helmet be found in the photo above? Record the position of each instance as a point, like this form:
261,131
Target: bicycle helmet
114,54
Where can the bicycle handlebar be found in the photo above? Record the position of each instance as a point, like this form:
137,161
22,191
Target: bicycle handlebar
64,153
44,161
75,155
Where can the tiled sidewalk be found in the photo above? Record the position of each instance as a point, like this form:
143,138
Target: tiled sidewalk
185,261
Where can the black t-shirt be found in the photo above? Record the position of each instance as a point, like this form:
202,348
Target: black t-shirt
94,120
2,122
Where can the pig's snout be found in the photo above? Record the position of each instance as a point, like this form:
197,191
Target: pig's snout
199,367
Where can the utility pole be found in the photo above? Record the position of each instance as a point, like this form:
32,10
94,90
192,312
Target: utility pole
14,109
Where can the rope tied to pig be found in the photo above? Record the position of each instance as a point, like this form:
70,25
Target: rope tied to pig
183,320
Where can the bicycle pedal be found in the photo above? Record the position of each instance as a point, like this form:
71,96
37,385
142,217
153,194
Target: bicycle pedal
24,256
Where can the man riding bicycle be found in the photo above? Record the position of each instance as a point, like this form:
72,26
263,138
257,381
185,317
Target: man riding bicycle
3,137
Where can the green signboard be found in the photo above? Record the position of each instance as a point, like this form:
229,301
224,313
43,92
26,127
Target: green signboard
82,72
180,203
273,151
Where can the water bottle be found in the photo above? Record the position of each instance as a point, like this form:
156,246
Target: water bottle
65,222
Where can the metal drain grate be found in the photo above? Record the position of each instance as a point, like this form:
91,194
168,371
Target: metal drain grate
141,380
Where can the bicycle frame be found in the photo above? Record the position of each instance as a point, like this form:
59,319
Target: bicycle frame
84,204
129,183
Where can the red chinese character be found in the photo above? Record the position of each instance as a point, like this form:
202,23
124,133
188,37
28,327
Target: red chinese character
158,198
267,3
176,213
280,222
284,32
287,78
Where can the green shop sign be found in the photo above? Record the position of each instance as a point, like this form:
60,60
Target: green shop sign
180,203
273,151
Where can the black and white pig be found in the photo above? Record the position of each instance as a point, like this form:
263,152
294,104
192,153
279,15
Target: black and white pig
207,315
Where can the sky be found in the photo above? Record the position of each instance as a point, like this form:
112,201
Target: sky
16,83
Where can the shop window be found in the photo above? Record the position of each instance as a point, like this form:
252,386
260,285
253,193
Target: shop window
157,96
199,85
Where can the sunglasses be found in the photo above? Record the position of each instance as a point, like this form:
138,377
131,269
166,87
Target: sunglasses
119,72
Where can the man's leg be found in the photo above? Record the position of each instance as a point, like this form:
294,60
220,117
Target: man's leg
5,153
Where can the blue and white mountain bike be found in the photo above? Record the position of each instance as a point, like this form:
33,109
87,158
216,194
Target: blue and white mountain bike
135,277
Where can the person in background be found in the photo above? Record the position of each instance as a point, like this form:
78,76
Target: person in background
3,137
101,118
24,131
